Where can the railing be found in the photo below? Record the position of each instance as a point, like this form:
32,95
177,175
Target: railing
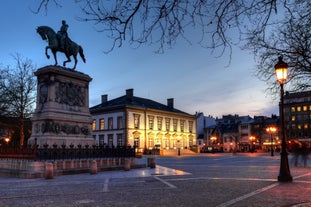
64,152
18,153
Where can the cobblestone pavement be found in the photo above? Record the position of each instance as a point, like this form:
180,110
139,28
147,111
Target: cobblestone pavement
218,180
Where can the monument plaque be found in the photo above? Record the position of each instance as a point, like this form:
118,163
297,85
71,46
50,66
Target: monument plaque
62,113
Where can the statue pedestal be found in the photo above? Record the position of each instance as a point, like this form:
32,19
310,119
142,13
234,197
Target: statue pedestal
62,115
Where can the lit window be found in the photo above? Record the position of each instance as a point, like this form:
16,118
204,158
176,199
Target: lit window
293,109
151,122
182,125
306,126
175,125
298,108
293,118
167,124
299,126
159,123
94,124
136,121
190,126
101,124
305,108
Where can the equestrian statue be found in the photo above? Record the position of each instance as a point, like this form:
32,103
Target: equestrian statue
60,42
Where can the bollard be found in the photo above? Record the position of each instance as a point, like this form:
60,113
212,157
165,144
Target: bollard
93,168
127,165
151,162
48,171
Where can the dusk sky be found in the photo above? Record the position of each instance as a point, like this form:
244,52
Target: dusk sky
195,78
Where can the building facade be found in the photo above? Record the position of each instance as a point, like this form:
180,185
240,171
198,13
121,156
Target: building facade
143,123
297,115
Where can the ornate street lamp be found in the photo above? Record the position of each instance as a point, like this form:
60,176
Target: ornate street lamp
281,69
271,130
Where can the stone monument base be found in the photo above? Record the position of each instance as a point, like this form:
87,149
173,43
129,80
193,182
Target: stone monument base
62,115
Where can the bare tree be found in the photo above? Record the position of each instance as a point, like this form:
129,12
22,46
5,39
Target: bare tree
17,88
268,27
290,38
163,22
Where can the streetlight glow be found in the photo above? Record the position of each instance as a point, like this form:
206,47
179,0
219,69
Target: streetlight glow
281,69
271,130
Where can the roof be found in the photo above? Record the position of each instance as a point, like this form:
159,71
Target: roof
125,101
301,94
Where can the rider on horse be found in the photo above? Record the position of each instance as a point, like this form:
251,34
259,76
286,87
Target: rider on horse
63,35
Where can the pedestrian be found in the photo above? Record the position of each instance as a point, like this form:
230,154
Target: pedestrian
304,154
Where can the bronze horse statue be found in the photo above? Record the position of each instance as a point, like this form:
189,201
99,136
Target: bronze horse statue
70,48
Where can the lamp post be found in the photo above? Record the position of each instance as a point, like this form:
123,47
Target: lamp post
252,138
271,130
281,69
213,138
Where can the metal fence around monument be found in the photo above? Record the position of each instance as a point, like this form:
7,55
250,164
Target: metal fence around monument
65,153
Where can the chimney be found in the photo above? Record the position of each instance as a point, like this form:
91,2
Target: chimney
170,102
104,98
129,94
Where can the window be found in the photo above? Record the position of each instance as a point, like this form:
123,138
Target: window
101,139
160,123
101,124
150,122
136,142
244,126
305,126
94,124
167,124
175,125
182,125
293,126
110,123
120,122
136,121
190,126
298,108
293,109
110,140
304,108
120,140
293,118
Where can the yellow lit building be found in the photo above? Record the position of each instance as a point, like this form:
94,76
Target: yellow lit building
140,122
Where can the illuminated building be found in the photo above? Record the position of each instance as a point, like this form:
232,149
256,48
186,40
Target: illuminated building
143,123
297,114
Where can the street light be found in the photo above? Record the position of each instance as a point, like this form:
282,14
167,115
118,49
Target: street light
213,138
7,140
271,130
281,69
252,138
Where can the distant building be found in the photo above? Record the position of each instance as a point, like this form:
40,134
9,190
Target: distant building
297,115
203,122
229,129
140,122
